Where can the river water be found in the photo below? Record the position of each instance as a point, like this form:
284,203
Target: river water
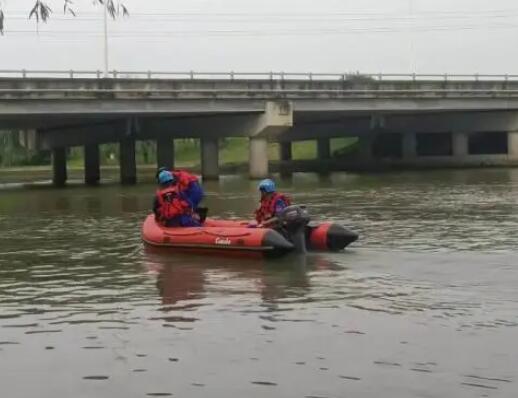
424,305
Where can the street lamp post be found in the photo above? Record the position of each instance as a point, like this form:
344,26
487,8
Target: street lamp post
106,64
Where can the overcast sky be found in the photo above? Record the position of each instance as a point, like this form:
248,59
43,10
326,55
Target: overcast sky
434,36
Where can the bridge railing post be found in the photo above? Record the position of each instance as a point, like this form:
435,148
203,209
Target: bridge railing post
98,73
149,74
24,73
191,74
71,74
115,74
232,76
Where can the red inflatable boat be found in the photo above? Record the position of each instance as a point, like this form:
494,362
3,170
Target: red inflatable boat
227,235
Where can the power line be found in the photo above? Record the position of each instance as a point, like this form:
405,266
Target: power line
262,32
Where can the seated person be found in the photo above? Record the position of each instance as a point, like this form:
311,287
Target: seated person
272,203
188,184
170,206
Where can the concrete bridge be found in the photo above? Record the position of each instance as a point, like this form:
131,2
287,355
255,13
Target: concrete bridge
400,120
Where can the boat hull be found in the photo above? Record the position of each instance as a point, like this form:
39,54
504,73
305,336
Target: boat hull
210,238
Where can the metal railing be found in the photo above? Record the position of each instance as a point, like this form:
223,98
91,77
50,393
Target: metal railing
230,76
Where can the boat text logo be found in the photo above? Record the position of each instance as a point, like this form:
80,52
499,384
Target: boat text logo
223,241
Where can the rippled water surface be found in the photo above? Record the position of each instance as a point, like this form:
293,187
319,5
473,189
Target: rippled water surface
424,305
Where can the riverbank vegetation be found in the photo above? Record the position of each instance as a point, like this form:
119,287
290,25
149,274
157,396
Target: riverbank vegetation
187,152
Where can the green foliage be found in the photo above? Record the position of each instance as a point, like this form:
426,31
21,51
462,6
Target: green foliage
12,153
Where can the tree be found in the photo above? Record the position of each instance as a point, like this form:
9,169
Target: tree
41,10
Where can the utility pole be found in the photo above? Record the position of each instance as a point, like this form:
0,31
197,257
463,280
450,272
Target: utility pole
106,64
413,60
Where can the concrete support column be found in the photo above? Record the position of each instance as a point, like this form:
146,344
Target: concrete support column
128,164
92,164
285,151
210,158
59,166
323,148
165,152
512,145
409,146
460,144
258,158
365,147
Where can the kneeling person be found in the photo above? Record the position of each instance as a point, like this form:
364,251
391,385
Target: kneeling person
188,185
170,206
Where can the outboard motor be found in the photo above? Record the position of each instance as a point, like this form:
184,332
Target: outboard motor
293,221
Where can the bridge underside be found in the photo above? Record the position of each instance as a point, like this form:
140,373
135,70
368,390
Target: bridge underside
397,124
428,139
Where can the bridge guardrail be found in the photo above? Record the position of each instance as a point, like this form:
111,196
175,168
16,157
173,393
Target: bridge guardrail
70,94
277,76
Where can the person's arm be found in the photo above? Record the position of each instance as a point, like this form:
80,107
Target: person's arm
280,205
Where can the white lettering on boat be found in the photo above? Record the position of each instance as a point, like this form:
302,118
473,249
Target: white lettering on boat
223,241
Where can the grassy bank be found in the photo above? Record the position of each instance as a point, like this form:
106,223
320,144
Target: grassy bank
187,154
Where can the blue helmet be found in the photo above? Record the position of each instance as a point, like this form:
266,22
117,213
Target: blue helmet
267,186
165,177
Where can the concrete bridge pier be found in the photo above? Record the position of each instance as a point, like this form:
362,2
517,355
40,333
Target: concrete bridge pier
365,148
285,151
324,149
512,145
127,159
409,146
210,158
460,144
165,152
59,166
92,164
285,155
323,155
258,158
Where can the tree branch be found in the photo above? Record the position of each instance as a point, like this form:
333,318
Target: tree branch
41,11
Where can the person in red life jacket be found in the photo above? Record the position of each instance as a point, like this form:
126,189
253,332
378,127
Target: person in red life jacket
271,204
188,184
170,206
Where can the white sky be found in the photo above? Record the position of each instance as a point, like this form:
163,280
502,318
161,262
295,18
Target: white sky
370,36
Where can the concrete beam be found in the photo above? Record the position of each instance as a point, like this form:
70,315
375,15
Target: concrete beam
470,122
92,164
59,166
56,109
276,118
210,158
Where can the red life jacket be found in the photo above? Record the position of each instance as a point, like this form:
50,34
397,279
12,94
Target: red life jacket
184,179
267,208
171,204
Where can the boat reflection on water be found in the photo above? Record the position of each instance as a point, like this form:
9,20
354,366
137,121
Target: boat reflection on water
186,277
